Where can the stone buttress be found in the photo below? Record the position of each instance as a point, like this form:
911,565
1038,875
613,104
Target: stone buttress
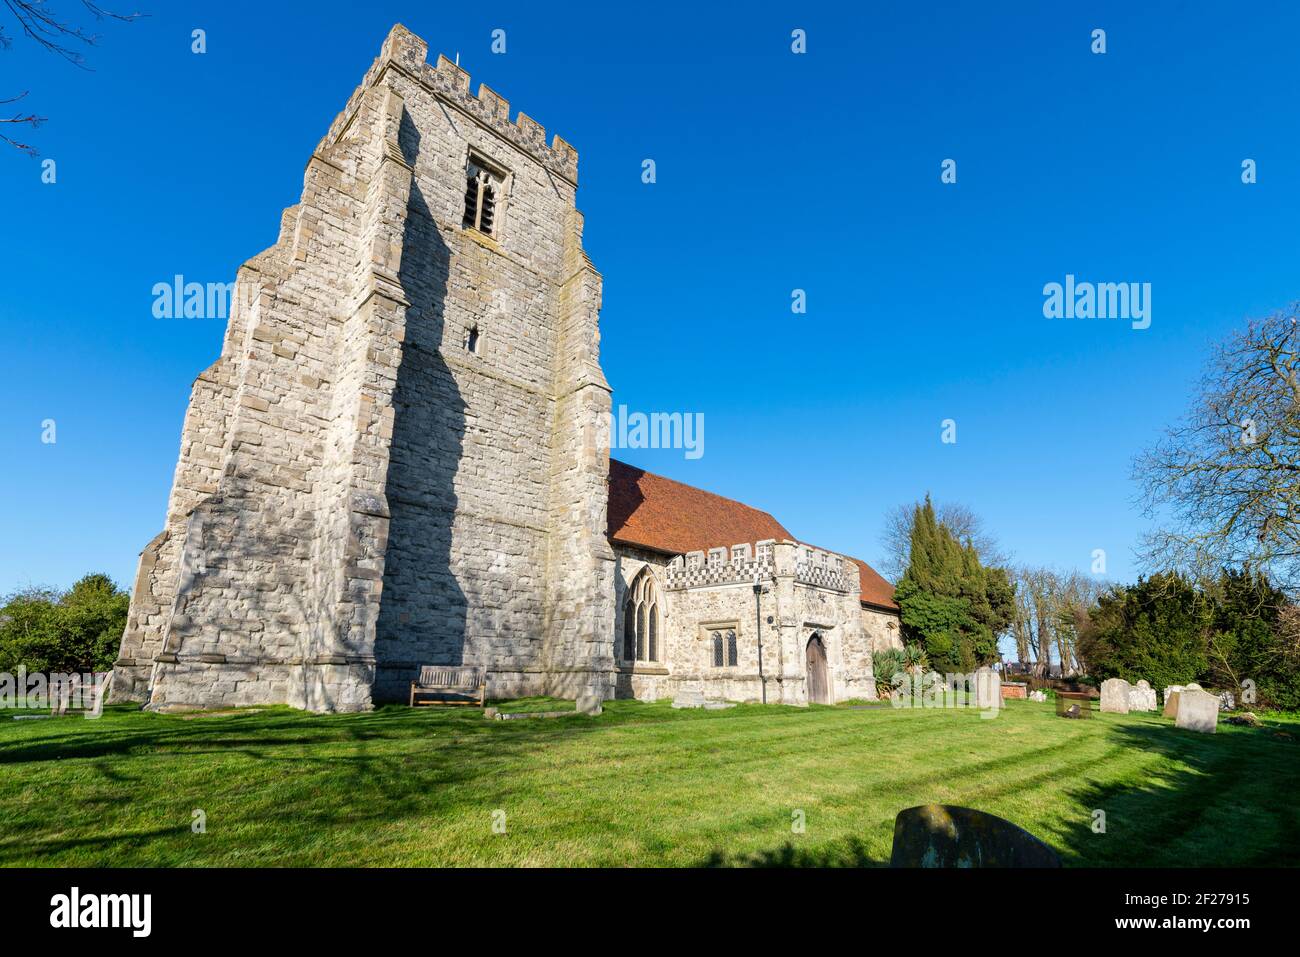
397,459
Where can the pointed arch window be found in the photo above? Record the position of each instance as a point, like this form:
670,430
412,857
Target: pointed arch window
483,188
726,653
641,626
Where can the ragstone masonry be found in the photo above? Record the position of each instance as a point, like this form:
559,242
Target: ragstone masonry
400,458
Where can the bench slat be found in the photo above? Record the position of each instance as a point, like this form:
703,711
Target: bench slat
450,679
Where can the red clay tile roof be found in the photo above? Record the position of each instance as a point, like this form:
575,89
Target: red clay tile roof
667,516
876,590
656,512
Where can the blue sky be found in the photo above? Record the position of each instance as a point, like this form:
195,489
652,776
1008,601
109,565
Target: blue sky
775,171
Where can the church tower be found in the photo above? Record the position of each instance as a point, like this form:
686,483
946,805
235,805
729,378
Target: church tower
400,457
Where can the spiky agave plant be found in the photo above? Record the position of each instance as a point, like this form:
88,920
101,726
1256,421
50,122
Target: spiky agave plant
915,660
887,664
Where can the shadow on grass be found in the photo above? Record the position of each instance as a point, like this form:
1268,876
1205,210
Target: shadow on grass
1217,800
848,853
320,772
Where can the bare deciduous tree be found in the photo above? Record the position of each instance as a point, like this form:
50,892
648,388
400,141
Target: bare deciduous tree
1051,612
1226,482
55,34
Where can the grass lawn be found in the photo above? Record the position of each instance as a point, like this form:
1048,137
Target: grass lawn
640,785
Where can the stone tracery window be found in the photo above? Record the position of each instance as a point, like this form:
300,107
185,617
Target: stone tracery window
641,619
725,651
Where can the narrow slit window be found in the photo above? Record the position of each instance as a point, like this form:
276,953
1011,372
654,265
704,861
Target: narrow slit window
471,340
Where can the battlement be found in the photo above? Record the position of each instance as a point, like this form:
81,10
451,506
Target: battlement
404,51
732,564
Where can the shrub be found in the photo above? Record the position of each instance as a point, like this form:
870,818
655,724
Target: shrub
887,664
77,630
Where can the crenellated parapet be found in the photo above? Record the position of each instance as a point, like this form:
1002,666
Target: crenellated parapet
823,570
405,52
492,110
734,564
723,565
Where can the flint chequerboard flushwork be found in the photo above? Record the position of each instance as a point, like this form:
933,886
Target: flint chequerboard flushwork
400,458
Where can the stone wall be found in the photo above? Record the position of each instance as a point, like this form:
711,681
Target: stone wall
348,445
882,627
713,591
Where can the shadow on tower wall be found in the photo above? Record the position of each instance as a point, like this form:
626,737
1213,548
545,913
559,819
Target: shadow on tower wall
625,497
422,615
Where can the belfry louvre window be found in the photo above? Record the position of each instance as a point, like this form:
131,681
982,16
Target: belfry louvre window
641,620
482,197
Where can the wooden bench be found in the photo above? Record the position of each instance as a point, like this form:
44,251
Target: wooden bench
469,684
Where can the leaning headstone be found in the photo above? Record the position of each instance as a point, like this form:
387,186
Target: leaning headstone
588,703
1197,711
944,835
1114,695
1171,704
688,699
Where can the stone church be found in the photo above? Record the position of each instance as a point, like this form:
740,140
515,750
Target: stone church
401,458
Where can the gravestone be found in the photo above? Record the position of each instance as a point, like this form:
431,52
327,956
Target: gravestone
1073,704
988,689
1226,701
1114,695
688,699
1197,711
588,703
944,835
1142,697
1171,702
1038,696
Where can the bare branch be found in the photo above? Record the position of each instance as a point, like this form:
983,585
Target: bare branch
30,119
1226,481
39,23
